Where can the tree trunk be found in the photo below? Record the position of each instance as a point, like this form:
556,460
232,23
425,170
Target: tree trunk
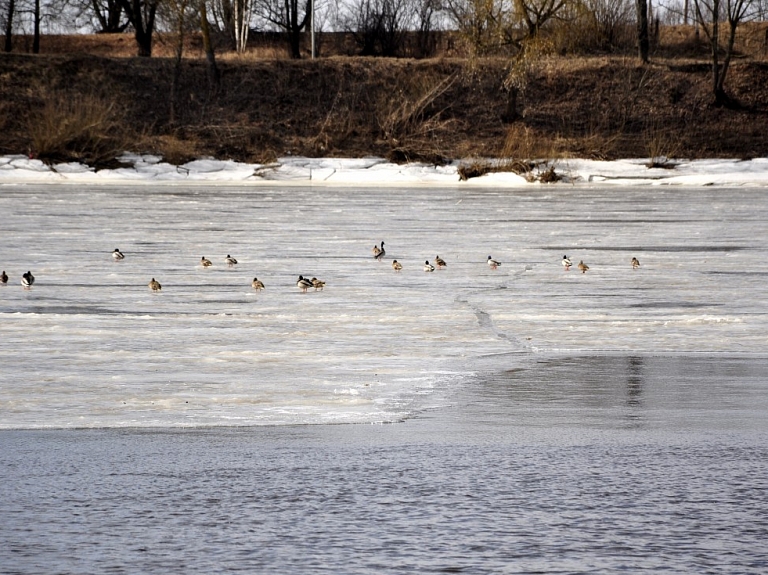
510,113
9,26
136,10
642,30
210,56
36,40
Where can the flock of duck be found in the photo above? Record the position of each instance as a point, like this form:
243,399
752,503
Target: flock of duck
305,284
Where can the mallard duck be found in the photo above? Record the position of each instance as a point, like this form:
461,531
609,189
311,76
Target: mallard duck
118,255
4,277
27,279
376,250
154,285
231,261
635,263
440,262
396,265
583,267
206,263
380,254
317,284
257,284
566,263
303,284
428,267
492,263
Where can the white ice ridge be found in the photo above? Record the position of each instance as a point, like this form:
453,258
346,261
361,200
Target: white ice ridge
292,170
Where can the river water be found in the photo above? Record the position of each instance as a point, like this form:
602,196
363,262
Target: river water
518,420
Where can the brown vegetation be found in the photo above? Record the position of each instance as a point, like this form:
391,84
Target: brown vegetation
407,110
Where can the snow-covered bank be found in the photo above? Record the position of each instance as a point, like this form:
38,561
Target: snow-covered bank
19,169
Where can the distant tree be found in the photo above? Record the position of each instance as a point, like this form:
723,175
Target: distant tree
378,26
709,15
290,16
643,43
141,14
482,24
180,16
109,15
210,56
36,27
426,18
9,25
241,14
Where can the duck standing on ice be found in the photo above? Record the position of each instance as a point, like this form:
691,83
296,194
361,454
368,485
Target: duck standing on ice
118,255
303,284
492,263
378,252
566,263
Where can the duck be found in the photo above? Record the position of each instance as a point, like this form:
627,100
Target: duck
440,262
118,255
635,263
303,284
428,267
376,250
381,251
27,279
317,284
231,261
583,267
206,263
4,278
396,265
493,263
257,284
154,285
566,263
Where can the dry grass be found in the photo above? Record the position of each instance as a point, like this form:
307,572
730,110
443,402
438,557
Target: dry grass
407,110
78,127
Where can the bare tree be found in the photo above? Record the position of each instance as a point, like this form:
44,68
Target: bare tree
241,14
290,16
709,14
9,25
643,43
426,16
109,15
378,26
210,56
141,14
482,24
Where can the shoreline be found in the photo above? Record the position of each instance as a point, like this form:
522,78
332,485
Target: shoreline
376,172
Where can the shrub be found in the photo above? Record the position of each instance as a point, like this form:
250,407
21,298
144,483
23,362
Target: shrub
74,127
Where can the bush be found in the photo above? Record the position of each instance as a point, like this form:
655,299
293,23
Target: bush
73,127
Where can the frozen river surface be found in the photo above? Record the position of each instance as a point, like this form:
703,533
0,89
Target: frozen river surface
550,421
91,346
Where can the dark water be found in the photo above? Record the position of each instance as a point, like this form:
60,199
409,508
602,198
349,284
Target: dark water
599,464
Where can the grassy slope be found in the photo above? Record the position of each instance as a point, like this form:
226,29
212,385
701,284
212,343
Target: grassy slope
587,107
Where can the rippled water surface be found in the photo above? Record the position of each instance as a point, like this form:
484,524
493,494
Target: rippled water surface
538,421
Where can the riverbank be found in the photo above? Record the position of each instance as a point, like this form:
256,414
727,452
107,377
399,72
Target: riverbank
435,111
